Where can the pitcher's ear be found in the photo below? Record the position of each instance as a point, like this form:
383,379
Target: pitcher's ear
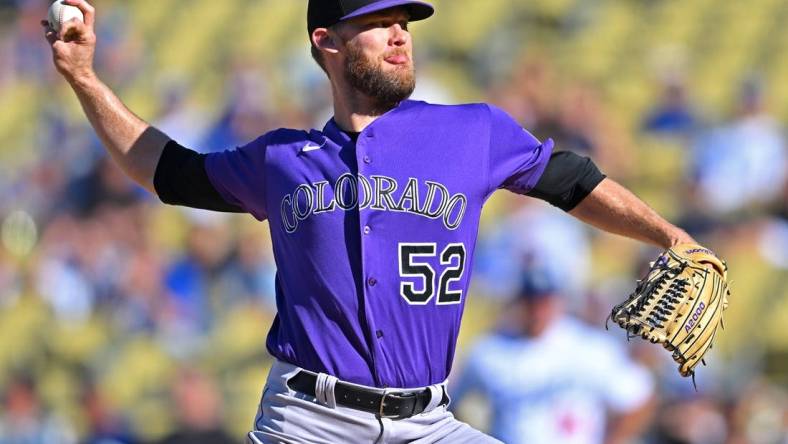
324,40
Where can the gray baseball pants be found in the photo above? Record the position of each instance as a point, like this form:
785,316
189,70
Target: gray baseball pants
289,417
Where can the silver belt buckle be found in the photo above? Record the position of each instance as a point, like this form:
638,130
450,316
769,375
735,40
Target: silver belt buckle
382,405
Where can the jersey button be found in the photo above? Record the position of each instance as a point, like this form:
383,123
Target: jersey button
367,230
372,282
367,159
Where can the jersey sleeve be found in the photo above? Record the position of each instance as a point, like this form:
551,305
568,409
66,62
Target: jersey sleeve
516,159
180,179
239,176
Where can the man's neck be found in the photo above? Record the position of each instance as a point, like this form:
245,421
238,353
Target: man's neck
354,111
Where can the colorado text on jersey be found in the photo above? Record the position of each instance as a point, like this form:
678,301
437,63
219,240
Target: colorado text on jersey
376,193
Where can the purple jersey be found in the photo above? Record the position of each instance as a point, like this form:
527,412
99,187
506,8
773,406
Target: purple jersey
374,240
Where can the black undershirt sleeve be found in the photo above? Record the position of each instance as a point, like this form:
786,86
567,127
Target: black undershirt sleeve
181,179
567,180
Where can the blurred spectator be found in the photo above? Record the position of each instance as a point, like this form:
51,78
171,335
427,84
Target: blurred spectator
196,281
30,56
572,114
245,116
773,242
761,415
140,304
673,115
10,280
551,379
256,269
741,165
584,126
24,420
180,120
697,420
62,276
105,184
688,414
106,425
81,261
529,95
121,55
198,405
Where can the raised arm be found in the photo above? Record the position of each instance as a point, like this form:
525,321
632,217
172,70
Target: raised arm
133,144
613,208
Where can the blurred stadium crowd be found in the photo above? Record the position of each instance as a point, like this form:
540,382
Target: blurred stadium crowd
126,321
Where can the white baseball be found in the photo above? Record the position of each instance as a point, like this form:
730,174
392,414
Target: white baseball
60,13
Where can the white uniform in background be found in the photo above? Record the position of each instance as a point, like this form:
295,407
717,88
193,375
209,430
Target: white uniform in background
555,388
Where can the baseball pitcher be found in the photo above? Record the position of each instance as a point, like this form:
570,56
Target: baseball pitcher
373,219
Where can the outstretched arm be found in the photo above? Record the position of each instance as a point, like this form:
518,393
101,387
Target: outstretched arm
613,208
133,144
574,184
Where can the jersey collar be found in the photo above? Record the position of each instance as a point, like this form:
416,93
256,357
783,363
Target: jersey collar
338,136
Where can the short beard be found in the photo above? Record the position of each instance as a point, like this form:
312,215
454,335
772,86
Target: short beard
387,90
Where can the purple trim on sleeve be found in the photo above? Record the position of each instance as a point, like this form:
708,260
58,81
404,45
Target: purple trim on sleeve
516,159
239,176
529,176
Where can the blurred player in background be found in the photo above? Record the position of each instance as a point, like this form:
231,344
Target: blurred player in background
548,378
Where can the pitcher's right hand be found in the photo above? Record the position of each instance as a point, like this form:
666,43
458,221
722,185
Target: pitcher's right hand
73,48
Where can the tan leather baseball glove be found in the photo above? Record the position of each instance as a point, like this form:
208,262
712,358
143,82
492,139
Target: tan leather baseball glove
679,304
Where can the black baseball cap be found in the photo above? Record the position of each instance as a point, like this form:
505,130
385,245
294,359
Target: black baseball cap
325,13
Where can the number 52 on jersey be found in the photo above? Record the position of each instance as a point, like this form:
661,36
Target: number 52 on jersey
413,264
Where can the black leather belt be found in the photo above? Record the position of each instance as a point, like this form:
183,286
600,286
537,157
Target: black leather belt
392,405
